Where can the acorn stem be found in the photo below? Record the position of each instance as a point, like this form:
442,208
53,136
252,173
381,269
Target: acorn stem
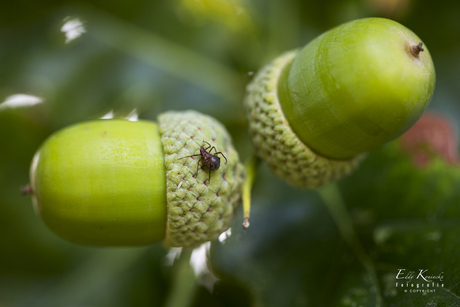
251,170
415,50
184,283
333,200
27,190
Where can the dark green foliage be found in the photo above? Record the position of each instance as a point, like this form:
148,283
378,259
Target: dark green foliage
157,56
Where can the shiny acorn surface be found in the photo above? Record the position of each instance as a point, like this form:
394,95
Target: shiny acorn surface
102,183
357,87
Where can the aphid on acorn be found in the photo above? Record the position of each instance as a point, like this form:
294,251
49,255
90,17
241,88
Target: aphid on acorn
137,200
211,161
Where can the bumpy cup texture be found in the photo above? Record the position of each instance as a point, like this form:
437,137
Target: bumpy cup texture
275,141
199,208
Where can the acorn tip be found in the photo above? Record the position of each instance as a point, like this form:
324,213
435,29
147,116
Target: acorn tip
415,50
246,223
27,190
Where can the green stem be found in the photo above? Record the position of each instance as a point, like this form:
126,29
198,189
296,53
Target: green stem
332,198
450,292
184,283
251,170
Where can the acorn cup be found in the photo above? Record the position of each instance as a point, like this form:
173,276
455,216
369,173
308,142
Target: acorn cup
125,183
314,113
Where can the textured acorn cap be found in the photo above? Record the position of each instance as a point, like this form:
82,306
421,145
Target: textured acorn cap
199,210
275,141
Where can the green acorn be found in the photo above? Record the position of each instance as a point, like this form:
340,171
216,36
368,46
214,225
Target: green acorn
124,183
314,112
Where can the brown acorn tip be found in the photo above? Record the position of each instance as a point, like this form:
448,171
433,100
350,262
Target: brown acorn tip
27,190
415,50
246,223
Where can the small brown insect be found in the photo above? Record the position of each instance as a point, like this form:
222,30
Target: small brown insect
211,161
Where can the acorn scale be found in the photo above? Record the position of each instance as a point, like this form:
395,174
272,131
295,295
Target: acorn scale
127,183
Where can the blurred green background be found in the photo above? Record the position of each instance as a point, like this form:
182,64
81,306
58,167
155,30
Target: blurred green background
154,56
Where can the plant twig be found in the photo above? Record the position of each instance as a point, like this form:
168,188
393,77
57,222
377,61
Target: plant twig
184,283
332,198
251,171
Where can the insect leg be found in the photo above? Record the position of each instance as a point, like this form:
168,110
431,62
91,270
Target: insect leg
217,153
190,156
209,145
197,165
